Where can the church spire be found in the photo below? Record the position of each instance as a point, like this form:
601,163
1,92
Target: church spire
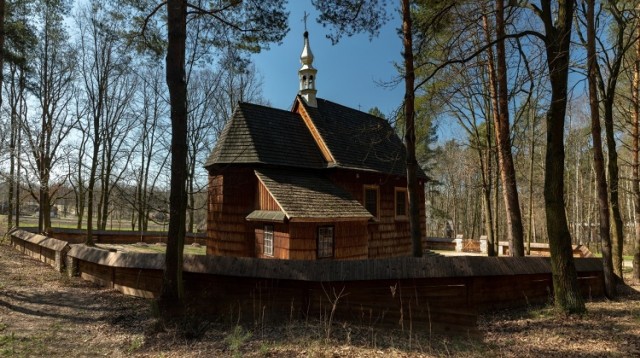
307,74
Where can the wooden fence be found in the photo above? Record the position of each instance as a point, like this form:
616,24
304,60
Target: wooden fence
51,251
542,249
467,245
442,294
75,236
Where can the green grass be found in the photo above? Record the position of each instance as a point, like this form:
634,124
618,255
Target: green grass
71,222
188,249
153,248
624,257
237,339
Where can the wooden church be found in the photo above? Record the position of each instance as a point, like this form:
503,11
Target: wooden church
321,181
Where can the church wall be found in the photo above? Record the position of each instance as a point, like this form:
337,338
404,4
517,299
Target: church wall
232,194
280,240
350,240
388,236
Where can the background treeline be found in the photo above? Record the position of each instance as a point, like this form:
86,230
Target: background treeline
85,129
457,103
86,124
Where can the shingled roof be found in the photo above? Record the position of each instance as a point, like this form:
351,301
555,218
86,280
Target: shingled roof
358,140
301,194
262,135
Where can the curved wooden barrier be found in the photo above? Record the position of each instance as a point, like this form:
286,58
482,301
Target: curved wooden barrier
433,293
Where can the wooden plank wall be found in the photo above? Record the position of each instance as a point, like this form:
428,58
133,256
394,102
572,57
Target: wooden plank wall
231,198
420,304
388,236
265,200
351,240
443,294
280,241
45,249
443,304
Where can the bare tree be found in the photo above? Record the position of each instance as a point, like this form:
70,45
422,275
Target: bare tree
557,23
107,91
635,96
598,157
247,25
53,89
152,107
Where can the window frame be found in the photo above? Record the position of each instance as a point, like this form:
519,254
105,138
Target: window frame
364,199
271,233
318,242
405,215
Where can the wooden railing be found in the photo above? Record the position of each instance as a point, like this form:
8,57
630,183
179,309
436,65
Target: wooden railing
441,294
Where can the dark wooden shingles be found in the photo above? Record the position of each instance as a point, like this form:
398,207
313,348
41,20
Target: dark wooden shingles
359,140
262,135
310,195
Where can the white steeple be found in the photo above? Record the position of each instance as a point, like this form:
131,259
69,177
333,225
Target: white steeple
307,74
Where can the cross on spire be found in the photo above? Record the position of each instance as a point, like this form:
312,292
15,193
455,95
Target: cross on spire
304,19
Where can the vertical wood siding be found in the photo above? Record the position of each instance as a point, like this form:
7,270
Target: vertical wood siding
231,198
265,200
234,193
280,240
388,236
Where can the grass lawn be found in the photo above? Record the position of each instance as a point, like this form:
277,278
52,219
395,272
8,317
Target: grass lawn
154,248
71,222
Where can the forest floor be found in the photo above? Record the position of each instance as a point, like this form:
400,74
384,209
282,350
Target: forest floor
44,313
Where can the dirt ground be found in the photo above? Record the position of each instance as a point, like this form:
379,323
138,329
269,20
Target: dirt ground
46,314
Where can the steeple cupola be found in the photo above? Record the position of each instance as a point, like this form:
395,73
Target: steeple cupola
307,74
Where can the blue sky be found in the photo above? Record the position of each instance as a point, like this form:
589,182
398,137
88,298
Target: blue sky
347,72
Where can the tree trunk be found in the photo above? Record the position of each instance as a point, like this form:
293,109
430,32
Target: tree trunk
496,207
410,134
13,98
492,240
598,157
635,95
80,208
558,36
486,188
192,205
45,199
503,142
532,135
614,178
106,194
171,298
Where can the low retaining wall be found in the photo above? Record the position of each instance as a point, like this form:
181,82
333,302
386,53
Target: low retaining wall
51,251
75,236
433,293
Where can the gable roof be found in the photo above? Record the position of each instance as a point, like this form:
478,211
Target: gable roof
332,136
310,196
358,140
258,134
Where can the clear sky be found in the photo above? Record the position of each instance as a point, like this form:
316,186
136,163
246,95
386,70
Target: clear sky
347,72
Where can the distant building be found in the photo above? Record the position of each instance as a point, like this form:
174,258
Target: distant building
321,181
